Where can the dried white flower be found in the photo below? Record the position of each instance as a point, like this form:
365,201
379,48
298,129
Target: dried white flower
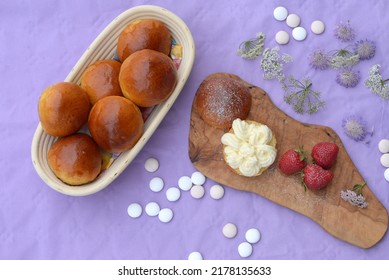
272,64
354,199
252,48
300,95
376,83
354,196
343,58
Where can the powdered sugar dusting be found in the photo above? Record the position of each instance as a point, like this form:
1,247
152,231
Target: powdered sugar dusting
226,101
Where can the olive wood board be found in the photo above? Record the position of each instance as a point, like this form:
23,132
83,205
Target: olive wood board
361,227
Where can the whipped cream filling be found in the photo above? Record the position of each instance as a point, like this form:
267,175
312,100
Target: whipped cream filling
248,149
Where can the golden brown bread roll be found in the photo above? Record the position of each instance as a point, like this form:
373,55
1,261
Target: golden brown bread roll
101,79
143,34
63,109
115,123
221,100
75,159
147,77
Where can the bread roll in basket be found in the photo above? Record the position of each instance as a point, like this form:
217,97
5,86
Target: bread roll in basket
104,47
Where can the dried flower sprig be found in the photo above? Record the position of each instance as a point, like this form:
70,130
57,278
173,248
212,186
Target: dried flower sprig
343,58
301,96
365,49
376,83
272,64
354,196
252,48
347,77
344,32
355,128
319,59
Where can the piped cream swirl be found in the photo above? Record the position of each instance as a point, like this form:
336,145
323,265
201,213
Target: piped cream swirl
248,148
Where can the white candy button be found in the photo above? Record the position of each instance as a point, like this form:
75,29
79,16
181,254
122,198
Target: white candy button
383,146
293,20
151,165
216,192
230,230
134,210
299,33
317,27
173,194
253,235
152,209
156,184
198,178
280,13
282,37
195,256
245,249
197,191
385,160
386,174
185,183
165,215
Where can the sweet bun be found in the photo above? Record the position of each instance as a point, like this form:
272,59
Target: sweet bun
75,159
220,100
147,77
63,109
143,34
101,79
115,123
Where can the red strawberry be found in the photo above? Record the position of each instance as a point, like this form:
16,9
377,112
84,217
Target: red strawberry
292,161
315,177
324,154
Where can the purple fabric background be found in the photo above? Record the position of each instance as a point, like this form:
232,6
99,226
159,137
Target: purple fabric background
41,40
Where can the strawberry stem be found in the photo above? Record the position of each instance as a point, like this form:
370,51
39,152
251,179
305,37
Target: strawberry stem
302,181
302,153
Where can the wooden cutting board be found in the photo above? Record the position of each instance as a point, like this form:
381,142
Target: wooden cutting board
361,227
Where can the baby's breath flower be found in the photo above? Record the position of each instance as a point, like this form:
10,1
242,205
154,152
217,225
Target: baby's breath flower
354,196
344,32
365,49
343,58
319,59
300,95
252,48
354,127
272,64
347,77
376,83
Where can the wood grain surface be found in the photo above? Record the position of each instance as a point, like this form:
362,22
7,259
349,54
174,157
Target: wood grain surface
361,227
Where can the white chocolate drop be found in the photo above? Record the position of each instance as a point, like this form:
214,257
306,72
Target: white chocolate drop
317,27
282,37
151,165
230,230
299,33
383,146
245,249
385,160
293,20
280,13
253,235
134,210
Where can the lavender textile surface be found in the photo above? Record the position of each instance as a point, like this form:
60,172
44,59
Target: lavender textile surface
40,41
